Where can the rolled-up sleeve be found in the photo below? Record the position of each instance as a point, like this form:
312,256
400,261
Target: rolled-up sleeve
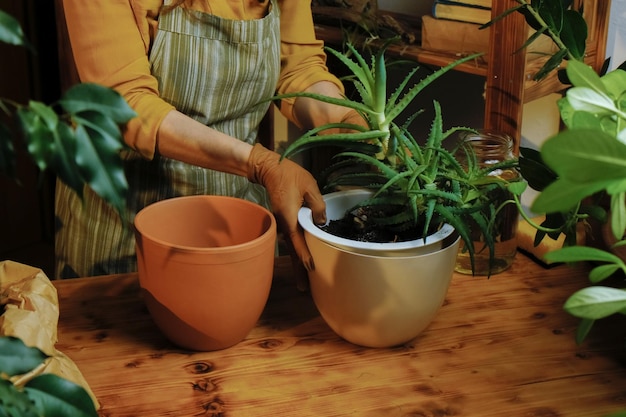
303,60
110,40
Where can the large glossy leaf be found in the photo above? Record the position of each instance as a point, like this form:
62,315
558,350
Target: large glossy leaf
574,34
585,156
534,170
38,133
596,302
581,253
563,195
97,156
16,358
14,402
63,160
56,396
93,97
10,30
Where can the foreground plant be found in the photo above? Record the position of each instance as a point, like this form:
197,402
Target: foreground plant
78,138
43,395
425,183
580,165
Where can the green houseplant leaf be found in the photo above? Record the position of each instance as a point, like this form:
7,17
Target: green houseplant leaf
596,302
11,31
56,396
16,358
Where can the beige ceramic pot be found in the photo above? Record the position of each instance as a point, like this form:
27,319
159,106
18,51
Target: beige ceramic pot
205,267
377,294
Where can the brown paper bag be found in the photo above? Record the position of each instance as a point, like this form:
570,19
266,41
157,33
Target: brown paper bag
31,313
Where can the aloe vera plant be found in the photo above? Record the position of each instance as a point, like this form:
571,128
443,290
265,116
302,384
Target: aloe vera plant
425,182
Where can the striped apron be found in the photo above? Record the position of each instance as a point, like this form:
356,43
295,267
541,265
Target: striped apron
216,71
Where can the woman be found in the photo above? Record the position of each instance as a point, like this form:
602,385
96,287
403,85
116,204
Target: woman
198,73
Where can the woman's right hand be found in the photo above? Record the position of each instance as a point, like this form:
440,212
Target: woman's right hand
289,187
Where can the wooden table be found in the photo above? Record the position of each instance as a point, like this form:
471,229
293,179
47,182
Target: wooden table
499,347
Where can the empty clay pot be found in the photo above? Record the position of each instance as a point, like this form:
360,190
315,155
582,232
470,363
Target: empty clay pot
205,267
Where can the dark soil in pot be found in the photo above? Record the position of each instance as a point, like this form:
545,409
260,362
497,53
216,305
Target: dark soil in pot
357,225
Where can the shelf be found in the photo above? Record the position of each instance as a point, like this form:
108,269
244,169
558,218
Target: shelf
510,71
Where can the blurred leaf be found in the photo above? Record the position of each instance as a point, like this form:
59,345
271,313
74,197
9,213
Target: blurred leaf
583,329
97,156
581,253
563,195
16,358
38,136
93,97
63,160
11,31
585,156
596,302
602,272
56,396
18,404
534,170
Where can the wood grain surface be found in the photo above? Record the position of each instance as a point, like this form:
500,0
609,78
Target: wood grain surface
499,347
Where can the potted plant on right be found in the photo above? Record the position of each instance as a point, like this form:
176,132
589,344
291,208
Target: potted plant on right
583,167
390,291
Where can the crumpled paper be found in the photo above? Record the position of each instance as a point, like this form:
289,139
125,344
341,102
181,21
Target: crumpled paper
31,313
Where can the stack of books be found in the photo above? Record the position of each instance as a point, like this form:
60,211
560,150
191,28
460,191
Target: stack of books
472,11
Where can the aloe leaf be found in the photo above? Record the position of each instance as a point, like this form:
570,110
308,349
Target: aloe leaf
344,102
339,139
416,89
56,396
393,98
360,68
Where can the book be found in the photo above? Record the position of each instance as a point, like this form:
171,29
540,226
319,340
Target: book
462,12
478,3
463,38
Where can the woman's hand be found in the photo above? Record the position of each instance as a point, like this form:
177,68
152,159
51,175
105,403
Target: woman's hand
289,187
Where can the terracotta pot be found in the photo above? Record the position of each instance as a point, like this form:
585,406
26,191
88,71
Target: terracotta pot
385,296
205,267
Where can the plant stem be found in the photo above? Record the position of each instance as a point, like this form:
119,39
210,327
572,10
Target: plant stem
554,36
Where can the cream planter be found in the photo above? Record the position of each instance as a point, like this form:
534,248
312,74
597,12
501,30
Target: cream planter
385,295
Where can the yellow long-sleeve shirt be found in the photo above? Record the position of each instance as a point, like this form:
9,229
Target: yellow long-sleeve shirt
111,40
